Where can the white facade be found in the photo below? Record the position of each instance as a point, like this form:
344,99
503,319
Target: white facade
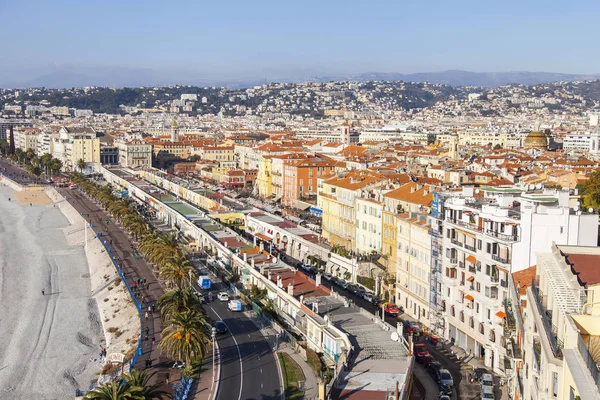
487,239
577,142
413,266
135,153
368,225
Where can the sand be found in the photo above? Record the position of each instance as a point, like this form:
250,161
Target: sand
32,197
50,342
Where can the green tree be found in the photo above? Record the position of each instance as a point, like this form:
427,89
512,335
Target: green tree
176,301
80,164
141,379
114,390
498,146
184,338
591,191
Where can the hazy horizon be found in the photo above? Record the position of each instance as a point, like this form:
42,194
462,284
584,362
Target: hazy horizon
273,40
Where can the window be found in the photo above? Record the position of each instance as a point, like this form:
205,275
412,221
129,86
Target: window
477,308
479,244
555,381
489,313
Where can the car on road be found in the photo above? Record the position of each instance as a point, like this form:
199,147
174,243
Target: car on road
372,298
234,305
221,327
223,296
392,309
487,380
411,327
434,370
425,361
446,379
487,392
420,350
444,397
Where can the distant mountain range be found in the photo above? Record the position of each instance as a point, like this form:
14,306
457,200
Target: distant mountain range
71,76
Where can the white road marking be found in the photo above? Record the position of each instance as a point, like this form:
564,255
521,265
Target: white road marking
261,370
239,353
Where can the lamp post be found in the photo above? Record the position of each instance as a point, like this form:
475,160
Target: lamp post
214,334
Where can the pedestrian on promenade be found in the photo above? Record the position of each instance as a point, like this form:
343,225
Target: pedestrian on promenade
149,308
167,378
153,308
153,341
43,292
147,331
134,284
146,315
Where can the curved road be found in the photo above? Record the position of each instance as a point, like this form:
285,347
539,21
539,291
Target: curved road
249,370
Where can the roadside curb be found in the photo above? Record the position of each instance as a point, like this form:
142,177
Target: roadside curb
217,383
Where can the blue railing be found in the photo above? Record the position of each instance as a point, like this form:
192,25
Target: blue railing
182,390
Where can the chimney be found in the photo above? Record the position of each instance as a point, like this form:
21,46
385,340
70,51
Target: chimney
279,281
245,257
252,262
269,275
262,268
262,246
318,279
290,289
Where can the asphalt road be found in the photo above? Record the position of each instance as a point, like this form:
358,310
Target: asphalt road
248,366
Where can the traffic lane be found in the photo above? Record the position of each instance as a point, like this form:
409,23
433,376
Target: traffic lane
231,369
258,363
261,376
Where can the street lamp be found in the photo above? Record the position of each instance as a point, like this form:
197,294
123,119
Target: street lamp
214,334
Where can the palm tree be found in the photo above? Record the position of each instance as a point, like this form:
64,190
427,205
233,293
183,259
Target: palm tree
178,300
114,390
141,379
80,165
55,166
184,338
178,271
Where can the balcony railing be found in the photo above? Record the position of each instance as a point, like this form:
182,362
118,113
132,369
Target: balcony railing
504,283
472,269
461,264
555,344
589,361
467,225
469,247
537,355
502,236
456,242
503,260
494,279
453,261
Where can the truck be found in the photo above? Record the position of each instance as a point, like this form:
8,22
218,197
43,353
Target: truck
204,282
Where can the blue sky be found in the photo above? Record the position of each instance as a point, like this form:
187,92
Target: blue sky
225,39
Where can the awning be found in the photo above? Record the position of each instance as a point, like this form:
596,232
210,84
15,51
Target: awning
470,279
471,259
501,269
501,314
469,297
262,237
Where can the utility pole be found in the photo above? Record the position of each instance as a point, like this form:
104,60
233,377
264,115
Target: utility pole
214,334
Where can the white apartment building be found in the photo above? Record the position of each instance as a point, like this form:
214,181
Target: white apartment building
562,327
392,133
134,153
577,142
413,266
341,134
26,139
368,225
485,239
44,143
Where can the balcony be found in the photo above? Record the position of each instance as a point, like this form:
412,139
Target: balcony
503,260
453,261
537,355
494,278
472,269
461,265
456,242
502,236
469,247
551,331
504,283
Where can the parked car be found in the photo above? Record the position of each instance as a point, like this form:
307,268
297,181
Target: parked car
305,267
487,380
344,284
446,379
425,361
411,327
420,350
223,296
361,292
444,397
339,282
220,327
434,369
487,392
328,277
392,309
351,287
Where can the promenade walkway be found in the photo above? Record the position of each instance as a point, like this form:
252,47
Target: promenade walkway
134,268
